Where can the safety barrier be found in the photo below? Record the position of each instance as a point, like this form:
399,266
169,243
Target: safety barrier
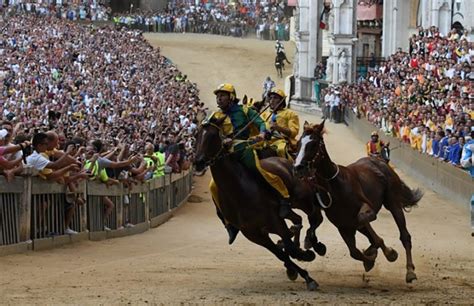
34,212
443,178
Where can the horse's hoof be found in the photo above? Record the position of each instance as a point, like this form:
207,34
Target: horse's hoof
308,256
370,252
411,276
368,265
312,285
320,249
392,255
292,274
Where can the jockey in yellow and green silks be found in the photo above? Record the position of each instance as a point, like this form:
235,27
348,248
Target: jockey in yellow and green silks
237,117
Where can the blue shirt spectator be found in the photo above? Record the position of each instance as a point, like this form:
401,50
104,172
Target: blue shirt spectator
467,156
454,152
443,147
435,147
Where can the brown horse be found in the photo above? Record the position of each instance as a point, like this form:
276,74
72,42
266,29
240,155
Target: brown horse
369,180
246,201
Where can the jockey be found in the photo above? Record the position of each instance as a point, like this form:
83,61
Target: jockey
283,122
268,85
279,47
374,146
237,117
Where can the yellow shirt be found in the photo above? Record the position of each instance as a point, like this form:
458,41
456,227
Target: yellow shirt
285,118
430,124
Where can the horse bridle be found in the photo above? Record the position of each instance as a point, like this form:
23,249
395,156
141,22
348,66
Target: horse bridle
310,166
312,169
219,155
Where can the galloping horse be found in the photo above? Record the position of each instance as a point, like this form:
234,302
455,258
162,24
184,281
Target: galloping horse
246,201
369,180
280,62
282,57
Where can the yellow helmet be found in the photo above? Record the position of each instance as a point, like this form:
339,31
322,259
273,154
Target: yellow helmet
227,88
279,92
374,133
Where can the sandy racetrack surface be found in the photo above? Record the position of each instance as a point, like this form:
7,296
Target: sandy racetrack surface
188,259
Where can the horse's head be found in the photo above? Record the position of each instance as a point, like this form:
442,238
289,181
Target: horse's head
208,143
310,148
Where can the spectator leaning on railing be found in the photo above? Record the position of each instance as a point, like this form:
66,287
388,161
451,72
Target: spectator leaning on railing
92,100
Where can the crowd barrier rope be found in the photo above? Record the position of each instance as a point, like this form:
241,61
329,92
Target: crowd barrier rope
33,212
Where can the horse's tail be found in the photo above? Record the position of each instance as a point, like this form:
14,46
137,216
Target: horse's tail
409,197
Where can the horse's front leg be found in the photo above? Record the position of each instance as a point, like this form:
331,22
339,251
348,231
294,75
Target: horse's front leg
295,228
311,240
348,235
377,242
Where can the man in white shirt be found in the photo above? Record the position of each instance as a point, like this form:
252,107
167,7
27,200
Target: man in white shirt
334,104
327,104
44,168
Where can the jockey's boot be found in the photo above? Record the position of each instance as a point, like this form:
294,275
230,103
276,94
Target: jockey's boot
285,208
232,231
366,214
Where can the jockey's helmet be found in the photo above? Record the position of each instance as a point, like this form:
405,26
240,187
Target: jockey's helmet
278,92
374,133
226,87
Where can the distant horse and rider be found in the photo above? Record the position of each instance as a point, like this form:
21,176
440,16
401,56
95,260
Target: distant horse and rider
253,185
280,58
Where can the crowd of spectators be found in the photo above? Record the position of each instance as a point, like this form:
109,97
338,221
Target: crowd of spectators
93,103
72,10
266,19
423,96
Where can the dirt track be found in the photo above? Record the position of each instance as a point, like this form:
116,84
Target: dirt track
188,259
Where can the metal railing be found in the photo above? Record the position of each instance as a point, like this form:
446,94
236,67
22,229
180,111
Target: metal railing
34,210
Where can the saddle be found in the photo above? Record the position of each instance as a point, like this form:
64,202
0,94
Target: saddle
271,151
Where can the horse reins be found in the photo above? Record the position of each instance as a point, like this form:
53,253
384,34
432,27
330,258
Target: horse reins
313,161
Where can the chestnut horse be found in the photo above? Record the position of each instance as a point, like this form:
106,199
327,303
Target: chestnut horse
247,201
368,180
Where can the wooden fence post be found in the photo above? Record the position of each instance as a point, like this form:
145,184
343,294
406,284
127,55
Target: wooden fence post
84,209
119,205
25,210
147,201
